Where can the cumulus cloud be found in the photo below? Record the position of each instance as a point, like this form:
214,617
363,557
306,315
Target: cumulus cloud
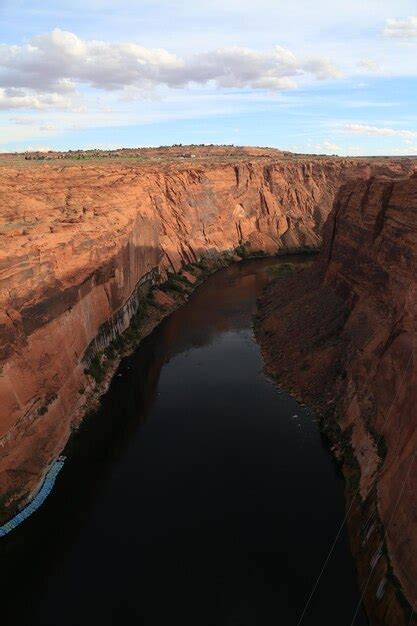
13,98
322,69
47,71
401,29
363,129
370,65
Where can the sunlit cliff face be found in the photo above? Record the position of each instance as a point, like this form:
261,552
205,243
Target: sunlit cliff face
78,239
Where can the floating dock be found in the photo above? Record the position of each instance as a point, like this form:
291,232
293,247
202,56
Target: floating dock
37,501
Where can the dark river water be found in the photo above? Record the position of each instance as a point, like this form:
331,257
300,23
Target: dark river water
200,494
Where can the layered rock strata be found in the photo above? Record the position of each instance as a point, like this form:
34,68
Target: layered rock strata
343,336
77,243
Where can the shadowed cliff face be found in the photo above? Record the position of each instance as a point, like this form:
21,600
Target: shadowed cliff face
77,240
345,341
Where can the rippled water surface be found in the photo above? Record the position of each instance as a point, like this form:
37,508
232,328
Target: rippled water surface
200,494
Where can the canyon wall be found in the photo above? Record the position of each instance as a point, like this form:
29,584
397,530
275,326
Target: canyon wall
77,240
343,335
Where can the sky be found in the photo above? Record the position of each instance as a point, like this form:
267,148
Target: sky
332,76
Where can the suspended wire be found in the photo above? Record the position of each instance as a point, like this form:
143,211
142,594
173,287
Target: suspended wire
327,559
385,534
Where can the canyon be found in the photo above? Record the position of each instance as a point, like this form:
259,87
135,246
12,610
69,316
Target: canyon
83,242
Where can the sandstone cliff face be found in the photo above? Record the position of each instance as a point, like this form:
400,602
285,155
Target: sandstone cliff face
346,340
77,241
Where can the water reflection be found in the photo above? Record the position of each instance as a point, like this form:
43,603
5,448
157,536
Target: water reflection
199,493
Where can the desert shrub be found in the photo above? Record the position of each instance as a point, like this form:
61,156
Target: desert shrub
241,251
280,271
171,284
96,369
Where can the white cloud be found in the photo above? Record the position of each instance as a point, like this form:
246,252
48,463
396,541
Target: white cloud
370,65
410,150
371,104
13,98
47,71
363,129
401,29
22,120
48,127
38,149
327,147
322,69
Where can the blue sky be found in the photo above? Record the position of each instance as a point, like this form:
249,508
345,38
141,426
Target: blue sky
332,77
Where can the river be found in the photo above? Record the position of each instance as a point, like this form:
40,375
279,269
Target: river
199,493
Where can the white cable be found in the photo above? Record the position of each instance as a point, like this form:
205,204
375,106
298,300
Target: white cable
352,502
385,534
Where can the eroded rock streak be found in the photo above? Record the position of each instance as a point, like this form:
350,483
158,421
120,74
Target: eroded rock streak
343,336
77,240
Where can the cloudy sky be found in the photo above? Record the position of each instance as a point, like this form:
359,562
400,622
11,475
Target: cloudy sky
334,77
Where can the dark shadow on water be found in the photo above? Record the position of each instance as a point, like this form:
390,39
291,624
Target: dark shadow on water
198,494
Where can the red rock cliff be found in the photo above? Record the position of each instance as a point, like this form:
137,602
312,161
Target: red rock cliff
345,339
77,240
